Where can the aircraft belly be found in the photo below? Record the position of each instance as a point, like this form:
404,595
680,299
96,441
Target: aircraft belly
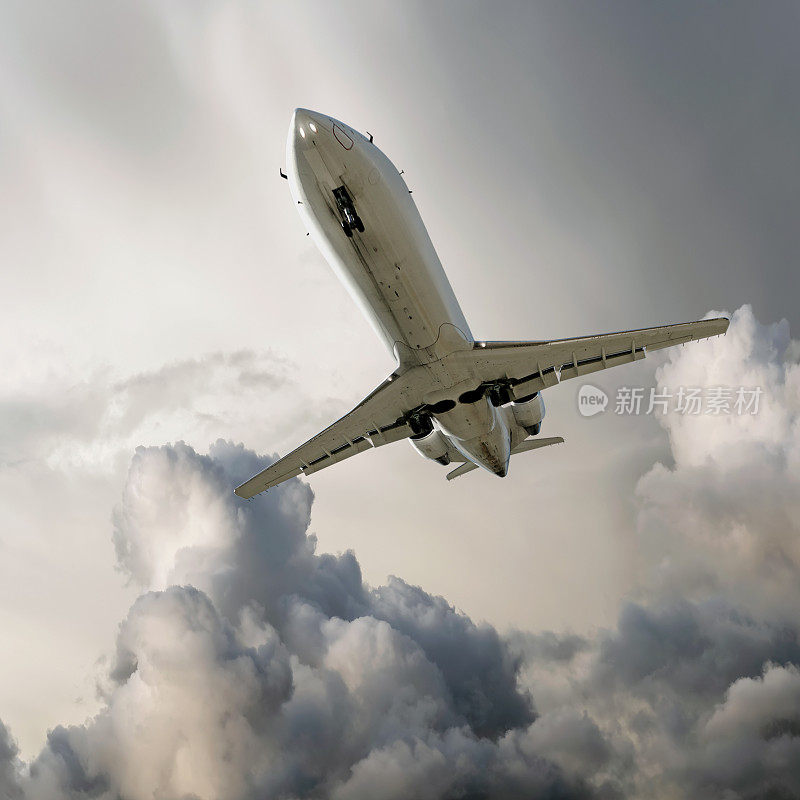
391,269
481,433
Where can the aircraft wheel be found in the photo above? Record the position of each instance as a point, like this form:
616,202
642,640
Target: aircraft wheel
348,231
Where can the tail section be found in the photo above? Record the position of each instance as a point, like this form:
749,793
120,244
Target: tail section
522,447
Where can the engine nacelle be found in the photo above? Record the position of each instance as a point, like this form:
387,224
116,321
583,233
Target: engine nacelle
433,445
529,413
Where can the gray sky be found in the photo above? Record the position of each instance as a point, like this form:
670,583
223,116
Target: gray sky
580,167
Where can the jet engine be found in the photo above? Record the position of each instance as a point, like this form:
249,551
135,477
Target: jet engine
529,413
434,445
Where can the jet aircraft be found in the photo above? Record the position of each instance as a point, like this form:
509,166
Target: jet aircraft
459,401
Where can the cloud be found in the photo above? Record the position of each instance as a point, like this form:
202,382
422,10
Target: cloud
180,523
697,650
751,743
189,713
136,168
9,786
694,690
69,420
733,493
254,666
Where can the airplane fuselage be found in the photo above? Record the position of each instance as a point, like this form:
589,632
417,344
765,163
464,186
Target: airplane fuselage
359,211
454,399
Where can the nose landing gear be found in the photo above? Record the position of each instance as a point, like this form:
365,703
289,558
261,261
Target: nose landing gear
350,219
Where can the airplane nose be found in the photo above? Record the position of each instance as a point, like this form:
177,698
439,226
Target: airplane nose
306,123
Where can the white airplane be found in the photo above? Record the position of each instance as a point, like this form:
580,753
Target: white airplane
459,401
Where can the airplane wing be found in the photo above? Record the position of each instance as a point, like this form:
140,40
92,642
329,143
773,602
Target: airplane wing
384,416
532,366
396,409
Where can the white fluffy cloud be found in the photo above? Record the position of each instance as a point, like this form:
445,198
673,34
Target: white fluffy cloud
725,518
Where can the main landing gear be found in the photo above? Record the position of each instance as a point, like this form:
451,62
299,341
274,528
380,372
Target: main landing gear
350,220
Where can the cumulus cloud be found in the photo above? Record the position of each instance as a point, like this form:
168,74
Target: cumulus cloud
9,787
752,740
694,689
254,666
733,493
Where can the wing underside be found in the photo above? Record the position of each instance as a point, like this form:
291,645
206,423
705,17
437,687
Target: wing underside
381,418
528,367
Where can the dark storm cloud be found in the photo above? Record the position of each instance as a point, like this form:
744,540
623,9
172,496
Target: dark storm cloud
548,646
710,696
751,743
678,700
476,663
694,649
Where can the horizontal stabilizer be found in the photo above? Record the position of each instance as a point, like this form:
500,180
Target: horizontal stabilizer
522,447
535,444
462,470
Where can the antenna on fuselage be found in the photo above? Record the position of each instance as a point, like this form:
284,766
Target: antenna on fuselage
370,137
283,174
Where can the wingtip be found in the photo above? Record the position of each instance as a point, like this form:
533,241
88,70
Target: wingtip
722,325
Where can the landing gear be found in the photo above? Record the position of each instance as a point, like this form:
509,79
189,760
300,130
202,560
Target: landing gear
350,220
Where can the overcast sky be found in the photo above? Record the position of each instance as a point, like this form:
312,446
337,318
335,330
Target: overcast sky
581,168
